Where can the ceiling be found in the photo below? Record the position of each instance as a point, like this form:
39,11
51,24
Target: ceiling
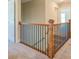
62,1
57,1
24,1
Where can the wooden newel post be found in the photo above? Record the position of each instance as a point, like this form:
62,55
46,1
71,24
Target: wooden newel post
20,28
70,28
51,48
20,23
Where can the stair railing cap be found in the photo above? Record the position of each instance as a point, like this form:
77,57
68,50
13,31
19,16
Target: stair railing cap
51,21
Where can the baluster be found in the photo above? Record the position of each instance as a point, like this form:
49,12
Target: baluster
45,39
69,28
42,39
38,37
22,34
66,32
60,37
34,36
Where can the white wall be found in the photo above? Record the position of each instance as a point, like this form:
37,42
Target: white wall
40,11
11,33
66,8
14,16
34,11
17,19
51,10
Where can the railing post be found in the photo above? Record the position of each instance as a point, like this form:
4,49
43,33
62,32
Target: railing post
20,29
20,24
51,48
69,28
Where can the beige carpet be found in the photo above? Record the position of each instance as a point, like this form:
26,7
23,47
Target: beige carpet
65,51
20,51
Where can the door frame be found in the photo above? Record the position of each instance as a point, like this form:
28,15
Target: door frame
17,12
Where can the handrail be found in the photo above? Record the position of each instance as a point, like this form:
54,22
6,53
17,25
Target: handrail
20,23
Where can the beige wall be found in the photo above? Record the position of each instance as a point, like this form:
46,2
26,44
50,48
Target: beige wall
34,11
65,6
40,11
51,10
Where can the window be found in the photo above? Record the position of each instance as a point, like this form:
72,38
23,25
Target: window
63,17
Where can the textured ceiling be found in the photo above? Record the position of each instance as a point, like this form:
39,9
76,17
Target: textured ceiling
62,1
24,1
57,1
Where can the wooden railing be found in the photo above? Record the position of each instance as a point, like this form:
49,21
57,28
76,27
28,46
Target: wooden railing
45,38
35,36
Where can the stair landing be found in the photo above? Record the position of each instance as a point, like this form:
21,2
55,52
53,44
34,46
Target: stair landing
20,51
65,51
